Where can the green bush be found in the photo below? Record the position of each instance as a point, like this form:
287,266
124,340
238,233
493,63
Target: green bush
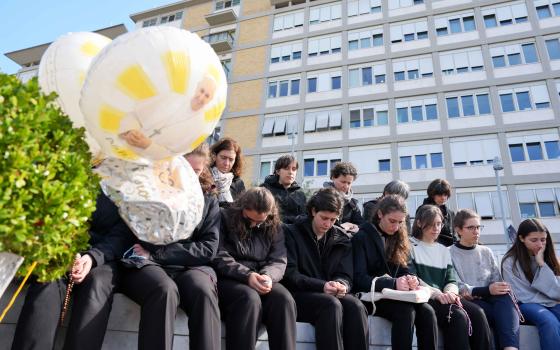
47,188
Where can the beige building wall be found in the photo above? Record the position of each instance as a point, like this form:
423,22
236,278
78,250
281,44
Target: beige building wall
250,61
254,6
243,126
194,16
254,30
245,95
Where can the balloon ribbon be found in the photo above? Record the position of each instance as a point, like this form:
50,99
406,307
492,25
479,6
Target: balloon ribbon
11,303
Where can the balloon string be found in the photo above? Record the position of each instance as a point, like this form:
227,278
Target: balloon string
11,303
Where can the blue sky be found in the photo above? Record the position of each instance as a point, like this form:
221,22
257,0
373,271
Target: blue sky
28,23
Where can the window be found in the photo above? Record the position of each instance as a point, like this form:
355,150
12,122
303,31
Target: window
363,7
459,23
285,52
524,98
420,156
406,162
368,115
516,152
309,167
553,48
288,21
171,18
540,202
485,203
323,120
409,31
534,150
283,88
325,81
365,39
318,167
279,125
412,69
326,13
552,149
226,65
366,75
504,15
512,55
384,165
534,147
461,61
266,169
469,104
416,110
323,46
474,151
224,4
149,22
547,8
437,160
421,161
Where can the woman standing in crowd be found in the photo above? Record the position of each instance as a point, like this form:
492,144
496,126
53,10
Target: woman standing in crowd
343,174
532,269
283,186
382,248
96,276
398,187
431,262
162,277
226,168
439,192
319,275
480,280
250,263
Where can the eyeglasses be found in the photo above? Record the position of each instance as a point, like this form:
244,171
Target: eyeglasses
474,228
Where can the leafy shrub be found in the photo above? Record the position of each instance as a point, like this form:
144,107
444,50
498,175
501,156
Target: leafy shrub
47,188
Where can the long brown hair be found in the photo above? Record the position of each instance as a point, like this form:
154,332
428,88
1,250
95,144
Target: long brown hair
425,217
260,200
205,178
519,252
397,246
228,144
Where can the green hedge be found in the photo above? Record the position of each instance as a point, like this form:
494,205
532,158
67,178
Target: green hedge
47,188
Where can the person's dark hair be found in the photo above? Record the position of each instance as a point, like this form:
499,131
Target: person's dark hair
343,169
425,217
205,178
397,246
260,200
519,252
397,187
462,216
439,187
284,161
325,199
228,144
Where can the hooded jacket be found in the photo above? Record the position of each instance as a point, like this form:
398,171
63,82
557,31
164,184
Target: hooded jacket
196,251
370,261
447,236
351,210
291,200
109,234
258,252
308,270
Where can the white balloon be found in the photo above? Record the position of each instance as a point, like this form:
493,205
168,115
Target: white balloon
153,93
161,202
63,70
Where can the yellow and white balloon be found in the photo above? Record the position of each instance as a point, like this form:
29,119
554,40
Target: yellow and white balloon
63,69
153,93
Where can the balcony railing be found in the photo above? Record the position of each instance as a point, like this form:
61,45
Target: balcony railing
220,41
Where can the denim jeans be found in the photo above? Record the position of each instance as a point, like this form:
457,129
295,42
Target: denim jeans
503,318
547,320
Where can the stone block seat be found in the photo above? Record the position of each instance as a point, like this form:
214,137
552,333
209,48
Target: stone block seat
122,330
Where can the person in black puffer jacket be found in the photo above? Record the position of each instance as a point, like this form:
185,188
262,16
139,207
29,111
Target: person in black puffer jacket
343,174
288,194
439,192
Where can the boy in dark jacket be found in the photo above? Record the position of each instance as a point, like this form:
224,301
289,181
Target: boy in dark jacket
319,275
439,192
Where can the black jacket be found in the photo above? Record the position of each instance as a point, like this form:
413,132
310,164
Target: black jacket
351,213
291,200
447,236
236,189
370,207
258,252
307,269
370,261
110,237
198,250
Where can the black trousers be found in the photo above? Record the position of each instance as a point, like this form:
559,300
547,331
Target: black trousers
339,323
91,307
404,316
455,329
159,295
38,320
244,310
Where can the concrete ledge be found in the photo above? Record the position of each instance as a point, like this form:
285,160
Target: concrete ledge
122,330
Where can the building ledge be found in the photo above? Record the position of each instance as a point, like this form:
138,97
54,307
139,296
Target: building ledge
221,17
